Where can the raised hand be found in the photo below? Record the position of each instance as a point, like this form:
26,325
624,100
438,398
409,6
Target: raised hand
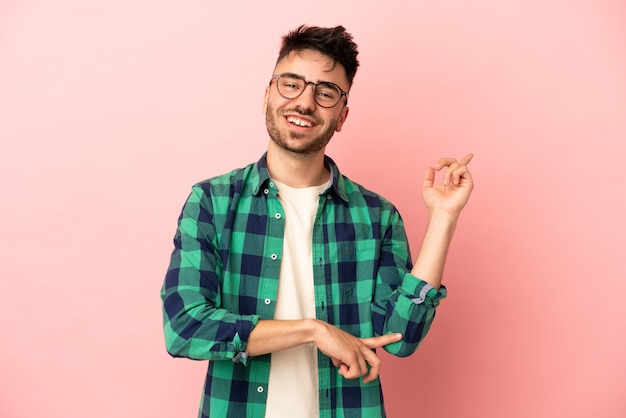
454,191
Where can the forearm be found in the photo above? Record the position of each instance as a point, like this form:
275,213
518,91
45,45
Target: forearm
274,335
431,258
352,355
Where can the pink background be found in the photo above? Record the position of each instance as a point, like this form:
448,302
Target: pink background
110,110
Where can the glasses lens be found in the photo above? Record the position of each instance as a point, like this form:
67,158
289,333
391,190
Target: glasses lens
290,86
327,94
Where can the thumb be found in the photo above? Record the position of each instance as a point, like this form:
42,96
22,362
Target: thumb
429,178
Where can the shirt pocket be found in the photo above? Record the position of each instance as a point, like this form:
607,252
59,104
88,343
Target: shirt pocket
357,267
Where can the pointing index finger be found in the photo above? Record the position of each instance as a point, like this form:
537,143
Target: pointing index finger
380,341
466,160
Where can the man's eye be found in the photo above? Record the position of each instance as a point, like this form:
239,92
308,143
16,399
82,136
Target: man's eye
290,83
327,92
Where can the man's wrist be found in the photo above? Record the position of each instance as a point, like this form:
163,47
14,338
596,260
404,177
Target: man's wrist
443,217
315,329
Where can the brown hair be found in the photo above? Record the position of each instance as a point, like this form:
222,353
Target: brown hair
335,43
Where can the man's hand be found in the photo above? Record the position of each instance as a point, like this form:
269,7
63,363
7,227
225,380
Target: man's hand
454,191
353,356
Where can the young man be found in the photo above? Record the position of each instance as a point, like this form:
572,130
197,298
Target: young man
287,275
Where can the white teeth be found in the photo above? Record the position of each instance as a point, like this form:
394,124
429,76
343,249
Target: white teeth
299,122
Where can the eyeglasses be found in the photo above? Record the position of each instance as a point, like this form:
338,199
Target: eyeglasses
326,94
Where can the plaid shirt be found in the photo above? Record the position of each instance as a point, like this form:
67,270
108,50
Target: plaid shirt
223,278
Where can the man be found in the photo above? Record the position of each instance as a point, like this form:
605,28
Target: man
287,275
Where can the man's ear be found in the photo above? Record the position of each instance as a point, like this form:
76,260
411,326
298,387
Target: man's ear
266,97
342,118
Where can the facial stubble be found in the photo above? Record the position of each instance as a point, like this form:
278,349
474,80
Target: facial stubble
309,147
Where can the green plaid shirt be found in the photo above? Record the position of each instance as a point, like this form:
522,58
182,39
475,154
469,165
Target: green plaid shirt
223,278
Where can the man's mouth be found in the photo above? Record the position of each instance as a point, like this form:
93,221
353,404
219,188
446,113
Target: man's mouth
300,122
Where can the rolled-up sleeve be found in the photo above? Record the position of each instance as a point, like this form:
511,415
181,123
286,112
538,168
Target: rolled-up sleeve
403,303
195,326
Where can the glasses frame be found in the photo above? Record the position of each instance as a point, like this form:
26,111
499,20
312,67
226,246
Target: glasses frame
306,83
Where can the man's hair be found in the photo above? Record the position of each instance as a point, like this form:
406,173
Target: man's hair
335,43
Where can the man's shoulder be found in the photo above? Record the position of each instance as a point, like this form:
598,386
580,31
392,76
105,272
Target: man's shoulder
228,182
220,194
356,192
228,177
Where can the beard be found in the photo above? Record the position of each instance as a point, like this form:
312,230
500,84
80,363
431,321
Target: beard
295,142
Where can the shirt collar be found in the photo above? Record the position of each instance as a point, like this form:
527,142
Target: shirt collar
337,184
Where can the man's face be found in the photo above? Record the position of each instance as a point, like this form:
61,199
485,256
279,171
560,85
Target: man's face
300,125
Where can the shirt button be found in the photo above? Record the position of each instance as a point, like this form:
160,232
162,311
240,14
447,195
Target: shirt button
267,301
273,256
271,184
259,389
278,216
266,191
328,196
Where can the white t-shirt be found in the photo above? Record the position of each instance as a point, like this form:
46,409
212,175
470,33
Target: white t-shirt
293,385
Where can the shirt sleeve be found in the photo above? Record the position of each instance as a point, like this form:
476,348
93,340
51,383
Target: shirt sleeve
194,324
402,302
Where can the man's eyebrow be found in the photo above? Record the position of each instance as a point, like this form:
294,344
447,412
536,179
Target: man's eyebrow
316,82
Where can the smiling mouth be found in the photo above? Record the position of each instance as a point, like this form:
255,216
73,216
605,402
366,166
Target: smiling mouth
300,122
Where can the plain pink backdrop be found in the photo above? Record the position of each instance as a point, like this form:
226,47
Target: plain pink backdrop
110,110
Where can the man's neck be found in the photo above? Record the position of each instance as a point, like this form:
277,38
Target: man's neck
297,170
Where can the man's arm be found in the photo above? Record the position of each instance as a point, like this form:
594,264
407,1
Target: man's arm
195,325
405,301
445,202
353,356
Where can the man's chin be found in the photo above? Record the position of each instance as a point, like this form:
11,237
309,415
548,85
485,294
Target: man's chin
301,150
299,143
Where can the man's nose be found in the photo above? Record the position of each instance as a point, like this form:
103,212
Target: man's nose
306,99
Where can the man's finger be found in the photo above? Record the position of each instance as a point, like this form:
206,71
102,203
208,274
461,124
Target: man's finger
448,161
444,162
466,160
383,340
374,361
356,368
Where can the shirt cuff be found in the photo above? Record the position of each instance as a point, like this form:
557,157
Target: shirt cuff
240,340
422,293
